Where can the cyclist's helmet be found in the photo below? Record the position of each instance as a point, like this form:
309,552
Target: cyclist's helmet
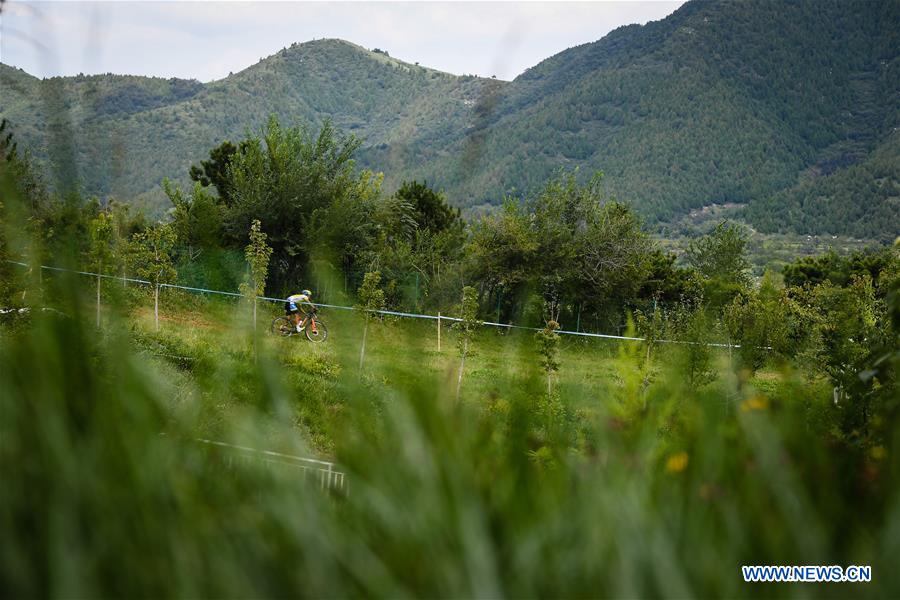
306,293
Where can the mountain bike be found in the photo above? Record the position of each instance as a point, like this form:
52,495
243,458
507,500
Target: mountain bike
311,325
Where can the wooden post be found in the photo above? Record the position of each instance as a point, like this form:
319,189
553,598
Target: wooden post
156,305
439,331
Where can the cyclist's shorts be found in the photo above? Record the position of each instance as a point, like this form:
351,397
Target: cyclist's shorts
290,308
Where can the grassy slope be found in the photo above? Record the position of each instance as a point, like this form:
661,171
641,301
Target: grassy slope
205,347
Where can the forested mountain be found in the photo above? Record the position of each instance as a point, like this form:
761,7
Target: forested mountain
789,108
127,133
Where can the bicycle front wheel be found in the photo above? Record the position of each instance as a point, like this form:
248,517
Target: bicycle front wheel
283,326
320,333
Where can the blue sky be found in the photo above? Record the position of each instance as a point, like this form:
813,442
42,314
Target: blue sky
207,40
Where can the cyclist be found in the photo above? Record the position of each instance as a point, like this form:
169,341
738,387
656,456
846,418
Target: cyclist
298,306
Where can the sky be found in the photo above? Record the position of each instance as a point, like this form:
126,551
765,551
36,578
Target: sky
207,40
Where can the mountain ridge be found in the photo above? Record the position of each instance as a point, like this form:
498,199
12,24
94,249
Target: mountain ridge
709,105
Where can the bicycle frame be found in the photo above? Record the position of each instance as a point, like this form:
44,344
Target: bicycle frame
310,320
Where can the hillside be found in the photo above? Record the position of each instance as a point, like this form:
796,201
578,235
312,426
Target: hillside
129,132
720,102
787,108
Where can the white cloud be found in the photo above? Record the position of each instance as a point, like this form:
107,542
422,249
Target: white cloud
206,40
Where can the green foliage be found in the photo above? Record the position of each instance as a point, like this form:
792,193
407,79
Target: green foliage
370,296
468,323
104,243
762,322
257,254
466,328
695,355
684,331
720,259
150,254
502,479
197,219
721,254
668,283
840,270
215,171
568,241
284,179
854,194
514,492
433,214
548,348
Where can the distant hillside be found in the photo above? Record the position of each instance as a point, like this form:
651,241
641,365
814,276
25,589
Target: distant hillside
787,108
129,132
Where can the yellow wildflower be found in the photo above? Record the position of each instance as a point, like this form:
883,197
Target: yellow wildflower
677,462
755,403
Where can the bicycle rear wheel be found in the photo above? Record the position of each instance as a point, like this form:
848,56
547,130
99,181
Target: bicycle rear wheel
320,333
283,326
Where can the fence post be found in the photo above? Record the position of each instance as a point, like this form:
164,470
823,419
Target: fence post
254,315
98,299
439,331
156,305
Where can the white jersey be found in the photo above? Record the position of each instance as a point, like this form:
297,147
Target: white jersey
299,302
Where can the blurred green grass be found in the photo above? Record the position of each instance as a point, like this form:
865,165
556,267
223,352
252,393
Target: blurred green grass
627,483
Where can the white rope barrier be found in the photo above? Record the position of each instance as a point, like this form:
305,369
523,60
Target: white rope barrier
388,312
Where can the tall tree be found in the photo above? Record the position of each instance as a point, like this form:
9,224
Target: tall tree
216,171
283,179
568,242
721,259
197,219
432,213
